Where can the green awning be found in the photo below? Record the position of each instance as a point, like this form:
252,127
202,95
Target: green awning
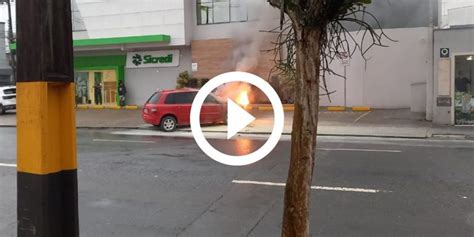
117,40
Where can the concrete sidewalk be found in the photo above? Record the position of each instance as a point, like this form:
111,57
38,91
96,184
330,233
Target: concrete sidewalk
377,123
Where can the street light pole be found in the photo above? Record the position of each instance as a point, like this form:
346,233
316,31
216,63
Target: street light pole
46,133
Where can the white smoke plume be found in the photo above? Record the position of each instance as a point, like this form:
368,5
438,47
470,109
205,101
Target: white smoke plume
248,39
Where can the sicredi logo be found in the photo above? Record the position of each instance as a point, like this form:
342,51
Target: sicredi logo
147,59
162,58
137,59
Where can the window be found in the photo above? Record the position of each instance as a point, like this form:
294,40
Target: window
180,98
154,98
238,10
221,11
464,90
210,100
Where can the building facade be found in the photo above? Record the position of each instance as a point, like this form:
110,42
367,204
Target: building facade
392,77
147,44
453,85
5,70
143,44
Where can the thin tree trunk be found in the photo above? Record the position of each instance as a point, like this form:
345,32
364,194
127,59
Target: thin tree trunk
303,138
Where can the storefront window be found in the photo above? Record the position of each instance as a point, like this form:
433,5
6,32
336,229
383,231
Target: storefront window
96,87
464,90
221,11
82,87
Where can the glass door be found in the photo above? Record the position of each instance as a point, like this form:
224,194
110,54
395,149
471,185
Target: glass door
110,87
96,87
82,87
464,90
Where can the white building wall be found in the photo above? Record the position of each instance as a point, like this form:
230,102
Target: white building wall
120,18
3,56
461,16
5,70
189,20
449,9
393,77
4,15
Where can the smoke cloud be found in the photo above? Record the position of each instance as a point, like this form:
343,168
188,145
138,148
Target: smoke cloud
249,38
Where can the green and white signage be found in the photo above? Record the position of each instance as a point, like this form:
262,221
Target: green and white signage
161,58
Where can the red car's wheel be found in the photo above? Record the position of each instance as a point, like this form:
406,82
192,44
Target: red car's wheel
168,124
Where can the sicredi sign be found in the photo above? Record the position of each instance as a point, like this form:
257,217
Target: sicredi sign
161,58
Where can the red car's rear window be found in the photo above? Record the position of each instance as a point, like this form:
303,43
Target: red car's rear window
154,98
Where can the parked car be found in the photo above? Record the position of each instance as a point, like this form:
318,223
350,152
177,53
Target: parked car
7,98
168,109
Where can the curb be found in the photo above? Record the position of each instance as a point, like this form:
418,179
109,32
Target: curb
269,108
131,107
113,107
427,137
336,108
361,108
324,135
290,107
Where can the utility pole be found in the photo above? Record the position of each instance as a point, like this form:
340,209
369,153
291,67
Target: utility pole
11,38
46,135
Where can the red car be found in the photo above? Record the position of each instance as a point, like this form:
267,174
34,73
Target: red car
171,108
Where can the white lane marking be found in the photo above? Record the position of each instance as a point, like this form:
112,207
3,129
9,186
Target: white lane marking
363,150
341,189
124,141
217,135
8,165
362,116
187,134
350,139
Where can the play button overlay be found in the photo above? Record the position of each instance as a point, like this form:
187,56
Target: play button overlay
237,119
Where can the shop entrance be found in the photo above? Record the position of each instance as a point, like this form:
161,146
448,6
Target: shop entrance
96,87
464,89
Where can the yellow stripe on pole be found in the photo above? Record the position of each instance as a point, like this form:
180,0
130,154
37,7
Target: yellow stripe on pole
46,131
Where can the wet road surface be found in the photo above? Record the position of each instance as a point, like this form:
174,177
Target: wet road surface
154,186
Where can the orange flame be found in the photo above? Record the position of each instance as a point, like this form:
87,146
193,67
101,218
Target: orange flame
243,99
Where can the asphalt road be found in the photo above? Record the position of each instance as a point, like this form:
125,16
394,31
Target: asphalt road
155,186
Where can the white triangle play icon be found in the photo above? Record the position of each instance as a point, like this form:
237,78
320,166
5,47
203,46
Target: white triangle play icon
237,118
